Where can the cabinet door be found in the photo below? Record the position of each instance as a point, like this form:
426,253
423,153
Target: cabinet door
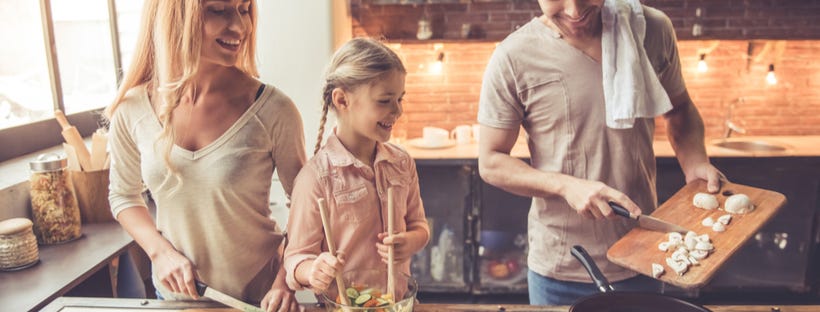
444,265
783,246
501,259
781,249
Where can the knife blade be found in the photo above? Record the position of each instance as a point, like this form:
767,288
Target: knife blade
648,222
206,291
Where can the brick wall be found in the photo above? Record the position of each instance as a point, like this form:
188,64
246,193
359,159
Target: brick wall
737,69
720,19
791,107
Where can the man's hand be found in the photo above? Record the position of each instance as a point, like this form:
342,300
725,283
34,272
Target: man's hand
591,199
708,172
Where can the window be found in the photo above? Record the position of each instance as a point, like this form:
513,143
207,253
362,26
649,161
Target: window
59,54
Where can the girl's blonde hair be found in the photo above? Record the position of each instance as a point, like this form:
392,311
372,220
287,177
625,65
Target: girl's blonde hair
167,58
359,61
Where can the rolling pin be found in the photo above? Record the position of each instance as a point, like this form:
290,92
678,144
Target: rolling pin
73,138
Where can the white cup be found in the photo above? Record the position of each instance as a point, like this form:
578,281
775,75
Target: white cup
462,134
476,132
433,136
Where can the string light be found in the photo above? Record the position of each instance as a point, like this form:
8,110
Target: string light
770,77
437,66
702,67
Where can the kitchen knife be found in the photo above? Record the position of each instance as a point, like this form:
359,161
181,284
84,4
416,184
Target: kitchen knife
206,291
647,222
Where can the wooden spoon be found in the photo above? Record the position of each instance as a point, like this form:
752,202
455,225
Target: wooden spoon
331,247
391,255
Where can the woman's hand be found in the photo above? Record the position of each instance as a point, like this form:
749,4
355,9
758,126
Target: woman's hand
405,244
280,298
176,272
323,271
706,171
591,199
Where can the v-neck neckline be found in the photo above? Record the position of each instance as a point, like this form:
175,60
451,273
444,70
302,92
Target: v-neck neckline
558,37
224,137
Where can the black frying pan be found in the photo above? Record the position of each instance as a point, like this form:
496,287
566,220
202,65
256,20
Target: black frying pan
610,300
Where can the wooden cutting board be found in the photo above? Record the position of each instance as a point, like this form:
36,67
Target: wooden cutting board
639,248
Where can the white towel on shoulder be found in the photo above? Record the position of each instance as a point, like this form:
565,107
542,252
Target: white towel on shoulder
631,87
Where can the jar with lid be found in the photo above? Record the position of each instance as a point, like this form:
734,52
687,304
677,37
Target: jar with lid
53,204
18,246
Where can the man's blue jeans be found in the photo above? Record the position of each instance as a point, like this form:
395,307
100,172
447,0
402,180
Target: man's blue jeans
547,291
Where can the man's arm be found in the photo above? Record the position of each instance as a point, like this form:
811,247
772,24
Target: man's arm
497,167
685,132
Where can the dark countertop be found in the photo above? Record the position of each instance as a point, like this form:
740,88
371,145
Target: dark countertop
66,304
62,267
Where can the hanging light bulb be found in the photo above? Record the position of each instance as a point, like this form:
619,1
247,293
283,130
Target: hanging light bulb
437,66
770,77
702,67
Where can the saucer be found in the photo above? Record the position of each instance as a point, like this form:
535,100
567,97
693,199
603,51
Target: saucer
420,143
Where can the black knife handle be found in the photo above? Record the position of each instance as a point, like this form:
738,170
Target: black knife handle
619,210
200,288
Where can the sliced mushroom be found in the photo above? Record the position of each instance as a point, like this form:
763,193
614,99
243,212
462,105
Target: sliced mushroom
657,270
708,221
705,200
725,219
704,238
663,246
704,245
738,204
698,254
718,227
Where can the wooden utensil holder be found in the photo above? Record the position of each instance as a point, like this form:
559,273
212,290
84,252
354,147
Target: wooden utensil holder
91,188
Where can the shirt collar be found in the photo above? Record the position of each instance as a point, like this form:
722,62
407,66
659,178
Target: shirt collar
340,157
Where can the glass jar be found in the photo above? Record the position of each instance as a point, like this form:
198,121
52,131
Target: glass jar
53,204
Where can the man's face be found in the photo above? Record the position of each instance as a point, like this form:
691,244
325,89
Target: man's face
574,18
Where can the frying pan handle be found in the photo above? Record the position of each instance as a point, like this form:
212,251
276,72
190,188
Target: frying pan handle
620,210
581,254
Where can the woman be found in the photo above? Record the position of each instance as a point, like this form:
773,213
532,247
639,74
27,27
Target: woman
192,122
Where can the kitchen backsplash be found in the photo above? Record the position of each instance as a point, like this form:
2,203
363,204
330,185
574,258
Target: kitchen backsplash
446,94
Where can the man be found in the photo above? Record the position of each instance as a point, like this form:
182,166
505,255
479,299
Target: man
548,76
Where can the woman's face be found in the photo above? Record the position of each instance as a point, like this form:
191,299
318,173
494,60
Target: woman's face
227,25
574,18
375,107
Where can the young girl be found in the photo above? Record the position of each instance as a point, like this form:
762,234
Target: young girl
194,124
364,85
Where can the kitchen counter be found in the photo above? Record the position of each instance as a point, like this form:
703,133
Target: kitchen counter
73,304
795,146
63,266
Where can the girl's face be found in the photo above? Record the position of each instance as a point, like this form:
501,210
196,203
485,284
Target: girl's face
373,108
574,18
227,24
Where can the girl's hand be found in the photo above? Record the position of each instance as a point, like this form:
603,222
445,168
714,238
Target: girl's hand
405,244
176,272
280,298
323,271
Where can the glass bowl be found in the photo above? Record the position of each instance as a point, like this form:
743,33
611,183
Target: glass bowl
367,285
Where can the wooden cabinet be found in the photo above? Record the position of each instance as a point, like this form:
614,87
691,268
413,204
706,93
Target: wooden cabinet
490,227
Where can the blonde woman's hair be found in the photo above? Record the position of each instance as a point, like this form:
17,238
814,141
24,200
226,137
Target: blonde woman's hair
359,61
167,56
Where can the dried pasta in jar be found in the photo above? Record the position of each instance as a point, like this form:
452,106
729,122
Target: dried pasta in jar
54,207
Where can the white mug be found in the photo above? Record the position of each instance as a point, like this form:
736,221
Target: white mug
461,134
476,132
433,136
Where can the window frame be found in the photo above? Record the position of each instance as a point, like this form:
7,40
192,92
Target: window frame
31,137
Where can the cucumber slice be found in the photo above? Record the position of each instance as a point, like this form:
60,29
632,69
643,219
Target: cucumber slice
352,293
382,302
362,299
